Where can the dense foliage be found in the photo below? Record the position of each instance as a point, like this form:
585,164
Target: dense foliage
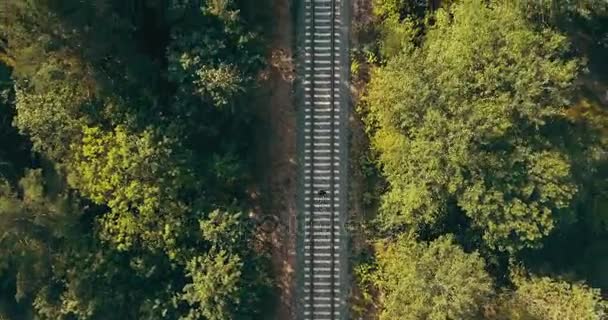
428,281
481,127
121,193
488,131
546,298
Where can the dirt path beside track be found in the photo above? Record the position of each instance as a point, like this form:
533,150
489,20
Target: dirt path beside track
276,155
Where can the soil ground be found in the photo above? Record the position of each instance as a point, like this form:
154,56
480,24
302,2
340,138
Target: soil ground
275,192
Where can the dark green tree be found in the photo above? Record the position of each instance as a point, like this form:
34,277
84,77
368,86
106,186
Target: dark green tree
140,106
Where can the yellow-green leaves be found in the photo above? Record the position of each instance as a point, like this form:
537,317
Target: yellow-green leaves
544,298
435,281
466,117
50,118
223,229
129,173
214,285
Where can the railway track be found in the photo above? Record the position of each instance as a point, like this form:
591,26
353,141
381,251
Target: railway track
322,288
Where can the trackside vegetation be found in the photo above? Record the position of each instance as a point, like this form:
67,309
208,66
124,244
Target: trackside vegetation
493,145
123,160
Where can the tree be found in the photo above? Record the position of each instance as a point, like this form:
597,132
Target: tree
400,8
140,107
15,151
64,54
34,221
473,123
569,14
137,177
212,72
50,118
435,280
214,286
543,298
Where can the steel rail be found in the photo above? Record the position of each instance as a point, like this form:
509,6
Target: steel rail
313,195
312,159
332,91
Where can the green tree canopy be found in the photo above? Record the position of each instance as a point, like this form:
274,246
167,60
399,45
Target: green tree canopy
473,122
138,177
543,298
215,280
140,106
435,281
